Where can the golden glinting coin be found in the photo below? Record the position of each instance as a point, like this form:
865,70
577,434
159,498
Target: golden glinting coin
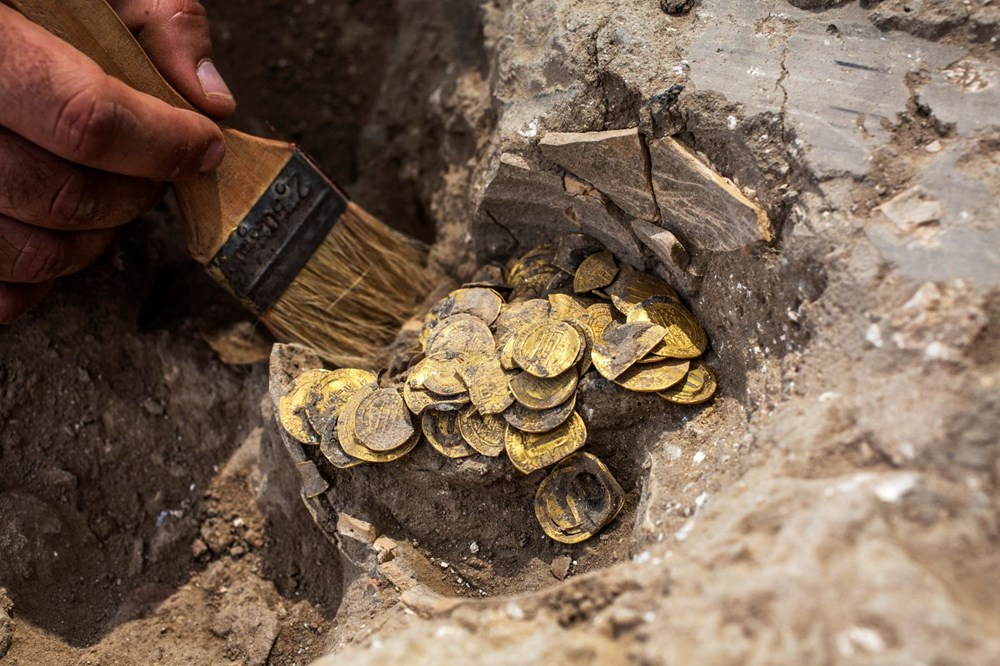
517,316
489,388
346,433
578,499
543,393
572,249
566,307
477,301
533,451
431,322
382,422
483,432
330,447
488,275
292,406
651,377
621,345
506,354
536,285
632,287
539,420
596,318
333,392
586,353
443,433
596,271
440,372
461,333
684,338
530,263
549,349
697,387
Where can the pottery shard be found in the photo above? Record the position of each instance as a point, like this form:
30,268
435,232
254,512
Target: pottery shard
614,162
662,243
702,207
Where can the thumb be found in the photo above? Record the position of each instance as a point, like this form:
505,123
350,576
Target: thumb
175,34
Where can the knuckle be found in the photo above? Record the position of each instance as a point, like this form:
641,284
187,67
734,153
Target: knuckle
181,10
86,123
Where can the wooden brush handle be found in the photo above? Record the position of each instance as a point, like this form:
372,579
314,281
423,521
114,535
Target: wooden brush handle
214,204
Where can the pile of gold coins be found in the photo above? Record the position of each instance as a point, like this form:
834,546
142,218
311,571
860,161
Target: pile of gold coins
497,370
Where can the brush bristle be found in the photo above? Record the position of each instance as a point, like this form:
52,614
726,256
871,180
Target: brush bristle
355,292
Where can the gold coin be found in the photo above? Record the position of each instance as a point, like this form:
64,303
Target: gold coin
346,433
596,271
684,338
382,422
651,377
533,451
549,349
632,287
578,499
572,249
440,373
517,316
586,353
477,301
442,432
461,333
416,399
330,447
539,420
333,392
488,275
483,432
621,345
292,406
489,388
543,393
431,322
698,386
566,307
532,262
596,318
507,354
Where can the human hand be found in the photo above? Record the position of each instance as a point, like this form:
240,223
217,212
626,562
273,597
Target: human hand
82,153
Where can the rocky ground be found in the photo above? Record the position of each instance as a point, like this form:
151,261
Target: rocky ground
837,502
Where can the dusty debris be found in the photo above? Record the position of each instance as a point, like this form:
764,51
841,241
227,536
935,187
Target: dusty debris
242,343
911,208
6,623
249,626
356,529
560,566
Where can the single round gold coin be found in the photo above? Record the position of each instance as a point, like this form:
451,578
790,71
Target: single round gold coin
684,338
549,349
489,388
596,271
330,447
477,301
515,316
622,345
483,432
347,433
632,287
439,372
533,451
292,406
566,307
333,392
539,420
382,421
578,499
443,433
651,377
543,393
698,386
461,333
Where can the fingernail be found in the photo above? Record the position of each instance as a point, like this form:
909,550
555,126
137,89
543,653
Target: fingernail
213,156
211,81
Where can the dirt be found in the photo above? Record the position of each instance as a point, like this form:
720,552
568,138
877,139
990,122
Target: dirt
837,502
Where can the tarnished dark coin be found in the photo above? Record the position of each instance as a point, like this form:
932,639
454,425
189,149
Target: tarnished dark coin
532,262
543,393
480,302
347,433
489,388
483,432
683,338
440,372
632,287
536,285
698,386
539,420
651,377
444,434
431,322
533,451
572,249
549,349
331,394
461,333
596,271
382,422
330,447
621,345
489,275
292,407
578,499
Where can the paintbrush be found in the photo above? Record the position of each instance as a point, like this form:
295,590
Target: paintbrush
268,225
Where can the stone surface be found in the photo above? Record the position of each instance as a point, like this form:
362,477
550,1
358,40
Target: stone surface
614,162
6,624
662,243
703,208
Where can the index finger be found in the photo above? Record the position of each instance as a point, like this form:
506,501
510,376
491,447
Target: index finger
59,99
